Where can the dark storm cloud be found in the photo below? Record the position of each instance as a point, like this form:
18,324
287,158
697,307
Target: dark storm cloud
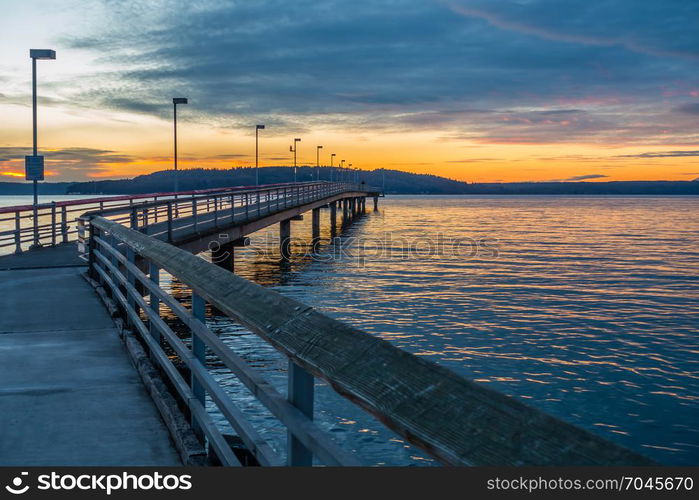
502,69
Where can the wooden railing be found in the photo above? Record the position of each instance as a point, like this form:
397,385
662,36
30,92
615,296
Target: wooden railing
453,419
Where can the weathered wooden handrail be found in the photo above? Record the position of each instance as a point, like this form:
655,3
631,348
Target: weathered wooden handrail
453,419
119,274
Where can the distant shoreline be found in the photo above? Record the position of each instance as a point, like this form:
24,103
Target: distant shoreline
395,182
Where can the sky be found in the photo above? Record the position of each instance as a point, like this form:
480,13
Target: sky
475,90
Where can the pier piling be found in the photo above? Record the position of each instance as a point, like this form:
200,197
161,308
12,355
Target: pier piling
333,218
285,239
315,225
224,256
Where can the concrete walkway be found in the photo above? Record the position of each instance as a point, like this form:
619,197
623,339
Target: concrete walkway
63,255
68,392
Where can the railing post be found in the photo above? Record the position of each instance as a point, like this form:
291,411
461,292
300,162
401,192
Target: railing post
194,212
36,226
91,245
134,219
215,211
199,352
64,224
18,233
169,221
154,302
131,277
300,394
114,245
83,239
53,223
232,208
247,206
155,210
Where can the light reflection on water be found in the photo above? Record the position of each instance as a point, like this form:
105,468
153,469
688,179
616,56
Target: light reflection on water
588,312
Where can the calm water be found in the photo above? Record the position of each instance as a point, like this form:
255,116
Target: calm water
11,200
585,307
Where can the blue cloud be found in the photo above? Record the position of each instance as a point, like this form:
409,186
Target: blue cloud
540,70
585,177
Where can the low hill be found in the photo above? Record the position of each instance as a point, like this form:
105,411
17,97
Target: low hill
44,188
395,182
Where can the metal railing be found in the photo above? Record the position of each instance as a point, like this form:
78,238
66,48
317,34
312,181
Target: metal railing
454,420
58,222
177,219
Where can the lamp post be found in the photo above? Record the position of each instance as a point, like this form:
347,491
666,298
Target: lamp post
257,164
350,172
342,168
34,165
332,157
318,148
293,149
175,102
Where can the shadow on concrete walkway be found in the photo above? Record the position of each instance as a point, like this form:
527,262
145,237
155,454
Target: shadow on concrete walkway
68,393
63,255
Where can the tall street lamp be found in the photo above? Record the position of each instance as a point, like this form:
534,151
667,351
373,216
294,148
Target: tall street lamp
342,167
332,157
293,150
318,148
257,165
34,165
175,102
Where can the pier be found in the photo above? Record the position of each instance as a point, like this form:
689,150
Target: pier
87,298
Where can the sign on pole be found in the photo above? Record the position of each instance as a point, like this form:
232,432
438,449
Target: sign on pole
34,168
